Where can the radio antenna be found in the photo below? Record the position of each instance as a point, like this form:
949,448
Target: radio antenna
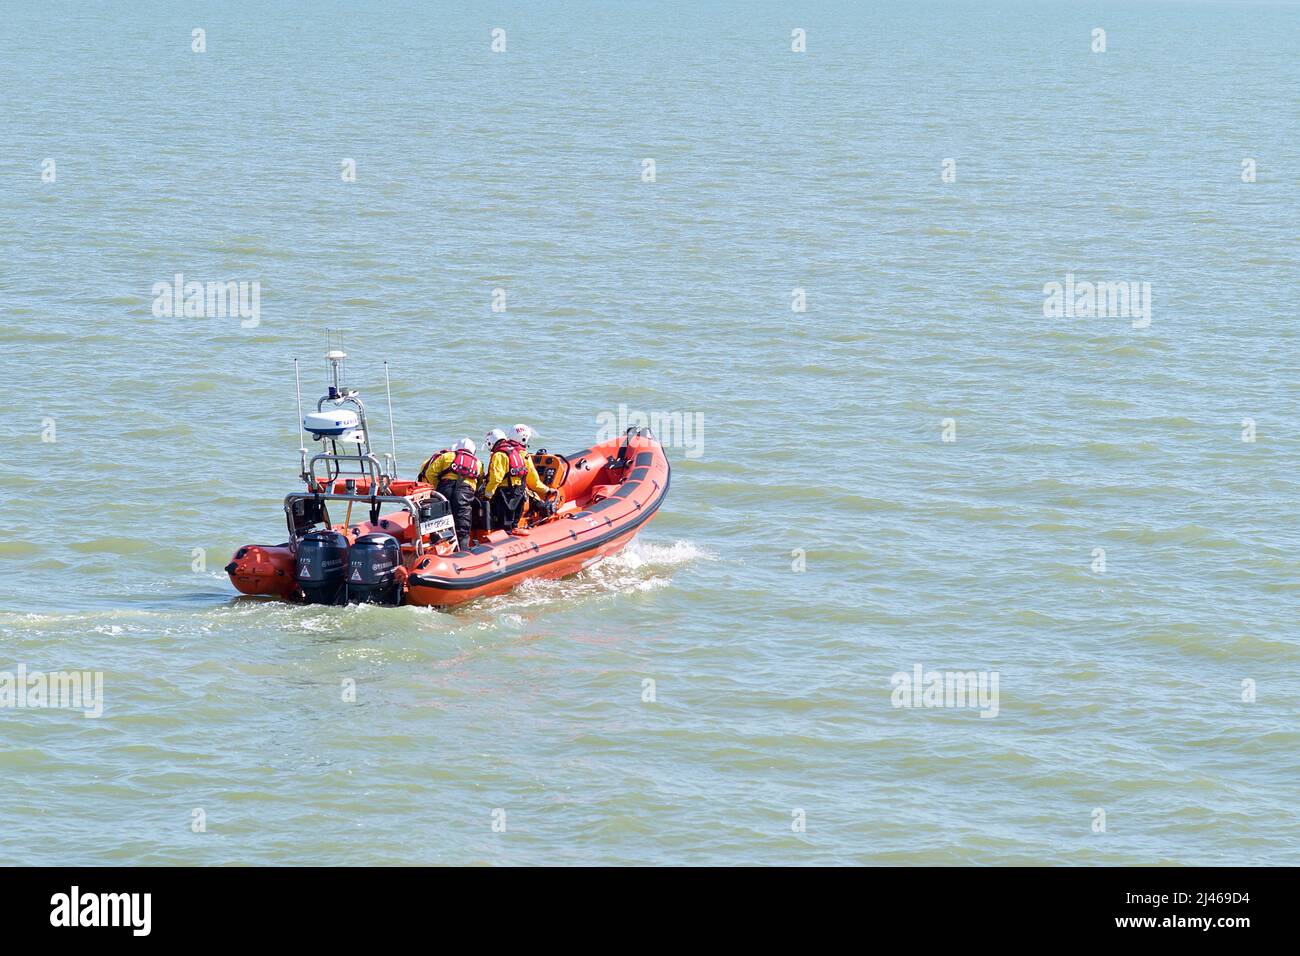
392,430
302,447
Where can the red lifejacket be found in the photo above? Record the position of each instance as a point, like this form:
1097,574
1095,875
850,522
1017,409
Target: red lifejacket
465,464
514,455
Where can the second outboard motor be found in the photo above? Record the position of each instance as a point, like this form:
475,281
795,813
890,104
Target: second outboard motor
320,566
372,570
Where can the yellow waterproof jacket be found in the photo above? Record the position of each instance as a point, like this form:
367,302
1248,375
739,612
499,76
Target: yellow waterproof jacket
499,473
440,468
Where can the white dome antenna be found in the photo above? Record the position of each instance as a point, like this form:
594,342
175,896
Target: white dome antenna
341,423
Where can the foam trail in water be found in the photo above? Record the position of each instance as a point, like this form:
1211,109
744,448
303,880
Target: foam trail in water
641,566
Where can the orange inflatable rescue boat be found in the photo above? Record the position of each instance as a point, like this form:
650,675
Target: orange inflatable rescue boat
401,546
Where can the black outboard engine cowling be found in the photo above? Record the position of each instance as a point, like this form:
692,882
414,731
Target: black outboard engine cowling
321,565
372,570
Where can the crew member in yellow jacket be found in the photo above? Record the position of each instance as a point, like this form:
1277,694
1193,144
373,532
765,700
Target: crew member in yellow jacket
511,474
456,475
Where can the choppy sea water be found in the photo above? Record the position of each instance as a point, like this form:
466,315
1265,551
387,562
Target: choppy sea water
135,439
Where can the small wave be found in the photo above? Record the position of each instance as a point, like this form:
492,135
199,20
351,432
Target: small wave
1186,534
18,548
1113,451
170,433
113,546
640,361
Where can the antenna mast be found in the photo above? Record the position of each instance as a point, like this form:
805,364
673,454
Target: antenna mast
392,429
302,446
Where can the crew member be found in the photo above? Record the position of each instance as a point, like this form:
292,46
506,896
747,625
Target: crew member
456,475
511,474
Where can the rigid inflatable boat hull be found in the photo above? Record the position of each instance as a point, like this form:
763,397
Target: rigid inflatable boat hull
609,491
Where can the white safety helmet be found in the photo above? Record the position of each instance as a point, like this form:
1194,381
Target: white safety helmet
523,434
491,438
465,444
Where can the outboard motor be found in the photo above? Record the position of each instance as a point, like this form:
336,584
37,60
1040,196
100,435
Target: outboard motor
372,570
321,565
